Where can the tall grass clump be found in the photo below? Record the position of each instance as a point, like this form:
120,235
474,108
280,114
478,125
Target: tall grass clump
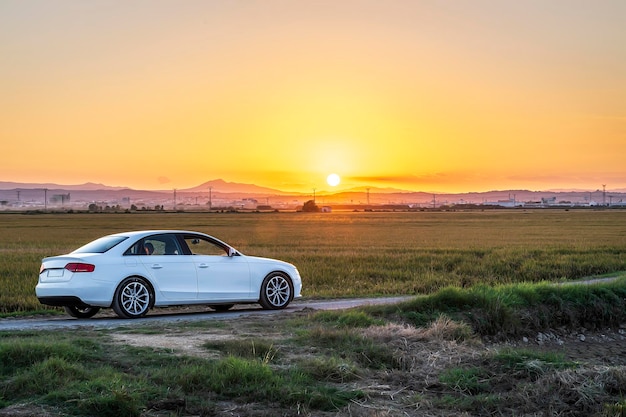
519,308
249,380
528,363
346,343
349,318
70,374
18,354
249,349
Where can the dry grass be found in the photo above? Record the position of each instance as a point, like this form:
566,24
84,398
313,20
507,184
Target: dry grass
426,351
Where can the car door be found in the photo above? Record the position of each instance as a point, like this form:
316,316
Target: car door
220,277
173,272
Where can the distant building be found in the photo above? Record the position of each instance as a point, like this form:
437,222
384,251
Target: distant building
503,203
60,198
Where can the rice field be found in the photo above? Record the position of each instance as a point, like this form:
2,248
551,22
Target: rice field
350,254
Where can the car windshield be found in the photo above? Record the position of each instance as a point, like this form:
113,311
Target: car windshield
101,245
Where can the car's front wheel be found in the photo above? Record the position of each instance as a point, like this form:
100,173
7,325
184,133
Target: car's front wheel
276,291
81,312
132,298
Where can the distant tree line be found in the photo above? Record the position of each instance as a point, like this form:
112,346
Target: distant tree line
310,207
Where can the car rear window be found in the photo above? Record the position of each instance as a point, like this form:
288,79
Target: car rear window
101,245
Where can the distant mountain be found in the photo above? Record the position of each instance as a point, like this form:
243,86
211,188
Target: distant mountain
580,190
89,191
221,186
88,186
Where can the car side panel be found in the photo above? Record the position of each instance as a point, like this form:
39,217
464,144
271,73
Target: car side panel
223,278
174,276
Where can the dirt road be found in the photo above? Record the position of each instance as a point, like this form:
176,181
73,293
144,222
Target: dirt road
106,319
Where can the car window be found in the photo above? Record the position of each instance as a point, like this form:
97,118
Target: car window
164,244
199,245
101,245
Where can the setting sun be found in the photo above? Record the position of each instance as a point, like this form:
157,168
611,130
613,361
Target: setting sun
333,180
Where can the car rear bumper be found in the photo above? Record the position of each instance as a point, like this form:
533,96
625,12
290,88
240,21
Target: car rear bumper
61,301
90,293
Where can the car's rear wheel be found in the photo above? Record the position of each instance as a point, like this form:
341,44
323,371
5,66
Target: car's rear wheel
133,298
81,312
276,291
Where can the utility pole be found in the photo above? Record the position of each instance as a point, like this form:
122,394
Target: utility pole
604,194
174,199
313,195
210,188
368,196
45,199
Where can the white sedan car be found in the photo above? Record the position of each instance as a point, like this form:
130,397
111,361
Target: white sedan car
135,271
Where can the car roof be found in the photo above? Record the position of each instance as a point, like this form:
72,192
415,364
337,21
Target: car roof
141,233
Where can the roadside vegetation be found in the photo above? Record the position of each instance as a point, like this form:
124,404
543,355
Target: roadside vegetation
350,254
434,355
519,309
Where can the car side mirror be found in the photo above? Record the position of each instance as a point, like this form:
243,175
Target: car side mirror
232,252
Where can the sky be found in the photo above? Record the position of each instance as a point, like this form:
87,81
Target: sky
422,95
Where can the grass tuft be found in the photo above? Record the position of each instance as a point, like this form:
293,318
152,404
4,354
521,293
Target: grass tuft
470,381
360,349
346,319
332,369
249,349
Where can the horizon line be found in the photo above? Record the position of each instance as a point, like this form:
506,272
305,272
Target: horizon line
362,189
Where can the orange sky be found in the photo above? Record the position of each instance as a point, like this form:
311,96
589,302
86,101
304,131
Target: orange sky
445,96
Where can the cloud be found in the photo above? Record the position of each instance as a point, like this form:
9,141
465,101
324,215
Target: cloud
163,180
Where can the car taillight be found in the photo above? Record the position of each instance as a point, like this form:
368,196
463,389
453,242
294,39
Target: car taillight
80,267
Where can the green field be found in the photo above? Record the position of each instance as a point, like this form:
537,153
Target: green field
347,254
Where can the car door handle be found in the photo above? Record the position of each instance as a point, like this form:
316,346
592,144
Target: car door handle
156,266
203,265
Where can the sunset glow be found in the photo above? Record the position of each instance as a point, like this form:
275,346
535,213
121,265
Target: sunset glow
425,96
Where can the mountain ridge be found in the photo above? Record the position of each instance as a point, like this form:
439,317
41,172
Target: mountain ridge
87,186
221,186
233,187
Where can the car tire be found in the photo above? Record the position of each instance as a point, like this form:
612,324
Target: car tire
222,307
276,291
82,312
133,298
